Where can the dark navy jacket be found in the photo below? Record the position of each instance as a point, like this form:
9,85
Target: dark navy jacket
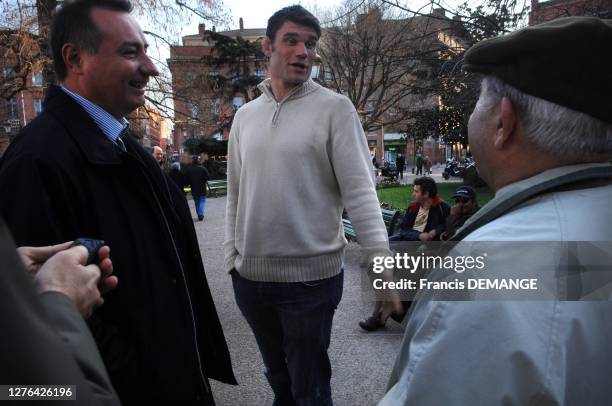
158,331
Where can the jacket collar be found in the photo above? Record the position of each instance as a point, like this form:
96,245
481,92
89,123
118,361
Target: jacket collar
510,196
414,206
96,147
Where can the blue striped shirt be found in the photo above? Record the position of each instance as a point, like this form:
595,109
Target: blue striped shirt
110,126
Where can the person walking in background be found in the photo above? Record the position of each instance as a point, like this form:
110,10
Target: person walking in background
418,162
75,171
400,162
297,157
197,176
427,164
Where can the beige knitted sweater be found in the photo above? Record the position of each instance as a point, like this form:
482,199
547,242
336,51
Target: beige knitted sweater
292,168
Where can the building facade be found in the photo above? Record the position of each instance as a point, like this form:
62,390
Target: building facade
542,11
213,74
151,127
21,84
388,67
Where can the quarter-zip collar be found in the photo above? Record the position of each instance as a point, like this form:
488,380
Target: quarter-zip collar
299,91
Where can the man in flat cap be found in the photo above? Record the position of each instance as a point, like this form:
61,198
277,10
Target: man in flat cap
466,204
541,134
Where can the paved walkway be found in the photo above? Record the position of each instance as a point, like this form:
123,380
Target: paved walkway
361,362
436,174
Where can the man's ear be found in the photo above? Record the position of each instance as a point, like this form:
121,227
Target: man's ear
267,46
73,58
506,125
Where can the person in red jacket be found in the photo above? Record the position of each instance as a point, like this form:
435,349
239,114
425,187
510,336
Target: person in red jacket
425,217
425,220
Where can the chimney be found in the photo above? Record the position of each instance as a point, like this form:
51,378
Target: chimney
241,22
201,29
439,12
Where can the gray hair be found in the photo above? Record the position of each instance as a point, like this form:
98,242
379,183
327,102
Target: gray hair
568,134
176,165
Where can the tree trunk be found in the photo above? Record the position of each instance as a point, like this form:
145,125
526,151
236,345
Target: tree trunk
45,9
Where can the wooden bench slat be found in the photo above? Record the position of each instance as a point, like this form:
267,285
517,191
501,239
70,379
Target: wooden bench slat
390,217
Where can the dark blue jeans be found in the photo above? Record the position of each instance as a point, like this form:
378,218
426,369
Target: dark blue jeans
292,325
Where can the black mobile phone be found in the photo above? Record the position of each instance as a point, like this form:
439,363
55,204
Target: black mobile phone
92,246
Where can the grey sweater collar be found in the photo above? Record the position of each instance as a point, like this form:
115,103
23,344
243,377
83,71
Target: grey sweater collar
299,91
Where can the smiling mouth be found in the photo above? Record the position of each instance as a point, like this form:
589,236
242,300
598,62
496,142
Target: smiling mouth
137,84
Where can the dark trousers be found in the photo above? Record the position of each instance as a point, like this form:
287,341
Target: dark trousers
292,325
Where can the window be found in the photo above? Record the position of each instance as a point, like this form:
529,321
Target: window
238,101
328,74
11,108
215,107
37,106
37,79
213,73
8,72
193,109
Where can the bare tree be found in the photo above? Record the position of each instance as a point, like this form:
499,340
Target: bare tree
19,47
456,90
25,25
24,34
382,58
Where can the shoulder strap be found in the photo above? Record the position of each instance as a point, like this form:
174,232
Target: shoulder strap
589,177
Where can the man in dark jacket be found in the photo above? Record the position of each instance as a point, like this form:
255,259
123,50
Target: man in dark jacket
70,174
197,177
401,165
418,161
425,217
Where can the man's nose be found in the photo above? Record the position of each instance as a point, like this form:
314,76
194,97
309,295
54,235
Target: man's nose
301,50
148,67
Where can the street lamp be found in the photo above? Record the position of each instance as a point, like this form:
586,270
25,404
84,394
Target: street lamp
316,67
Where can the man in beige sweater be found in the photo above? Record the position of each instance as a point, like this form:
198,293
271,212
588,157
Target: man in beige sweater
297,157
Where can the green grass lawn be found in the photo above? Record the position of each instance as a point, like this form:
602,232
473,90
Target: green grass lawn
399,197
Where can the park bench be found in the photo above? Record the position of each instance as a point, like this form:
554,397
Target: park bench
390,218
217,187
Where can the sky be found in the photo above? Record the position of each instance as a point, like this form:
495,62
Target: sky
256,13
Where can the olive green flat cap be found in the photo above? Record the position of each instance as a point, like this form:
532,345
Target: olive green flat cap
567,61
